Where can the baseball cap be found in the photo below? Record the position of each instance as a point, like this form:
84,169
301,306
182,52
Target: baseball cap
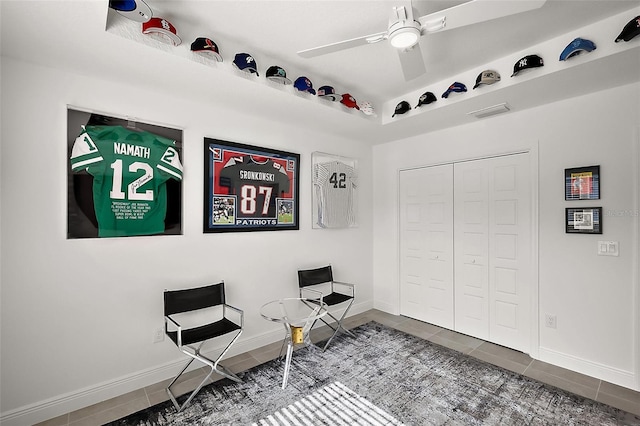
276,73
487,77
203,44
455,87
349,101
630,30
329,93
136,10
401,108
529,61
162,30
367,108
303,84
245,62
426,98
577,46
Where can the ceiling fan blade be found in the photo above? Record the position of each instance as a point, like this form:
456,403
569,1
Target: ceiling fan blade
475,11
412,63
342,45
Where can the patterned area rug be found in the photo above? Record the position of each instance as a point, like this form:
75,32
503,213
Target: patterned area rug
405,379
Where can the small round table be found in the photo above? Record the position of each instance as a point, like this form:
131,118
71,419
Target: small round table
298,315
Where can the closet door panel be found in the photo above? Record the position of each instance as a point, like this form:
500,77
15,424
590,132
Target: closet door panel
471,249
510,251
426,244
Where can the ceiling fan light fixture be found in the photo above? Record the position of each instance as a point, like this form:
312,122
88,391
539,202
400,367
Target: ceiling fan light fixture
404,37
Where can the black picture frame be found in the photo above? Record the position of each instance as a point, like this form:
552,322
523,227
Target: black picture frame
583,220
249,188
582,183
83,196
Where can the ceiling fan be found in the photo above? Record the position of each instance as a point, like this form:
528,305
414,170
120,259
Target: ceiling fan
404,31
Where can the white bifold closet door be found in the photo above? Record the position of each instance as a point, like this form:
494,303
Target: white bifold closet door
465,248
492,249
426,248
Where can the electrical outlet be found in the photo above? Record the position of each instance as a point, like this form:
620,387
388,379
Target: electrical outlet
550,321
158,335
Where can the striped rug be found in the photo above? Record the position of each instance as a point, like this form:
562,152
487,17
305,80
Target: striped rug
334,404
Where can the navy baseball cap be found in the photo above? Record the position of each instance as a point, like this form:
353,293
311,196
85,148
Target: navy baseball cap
455,87
630,30
329,93
529,61
577,46
245,62
303,84
203,44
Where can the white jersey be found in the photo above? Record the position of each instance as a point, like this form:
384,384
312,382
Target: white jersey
335,184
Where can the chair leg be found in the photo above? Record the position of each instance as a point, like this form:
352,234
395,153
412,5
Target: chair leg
170,393
213,365
337,328
221,369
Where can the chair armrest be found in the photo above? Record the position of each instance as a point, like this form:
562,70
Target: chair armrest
350,288
318,294
168,319
238,312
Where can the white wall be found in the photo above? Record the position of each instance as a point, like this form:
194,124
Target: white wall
78,315
595,298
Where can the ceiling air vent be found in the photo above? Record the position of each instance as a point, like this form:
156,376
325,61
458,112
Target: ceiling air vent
489,111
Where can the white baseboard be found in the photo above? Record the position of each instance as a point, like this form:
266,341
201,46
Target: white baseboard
72,401
386,307
607,373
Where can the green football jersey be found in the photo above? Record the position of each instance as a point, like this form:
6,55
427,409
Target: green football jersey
129,170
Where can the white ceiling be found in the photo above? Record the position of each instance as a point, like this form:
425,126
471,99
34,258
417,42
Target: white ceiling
279,29
71,35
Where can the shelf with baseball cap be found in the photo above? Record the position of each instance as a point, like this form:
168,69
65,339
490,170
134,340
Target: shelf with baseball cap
562,65
135,20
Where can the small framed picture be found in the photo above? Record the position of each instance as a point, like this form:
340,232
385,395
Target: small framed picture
584,220
582,183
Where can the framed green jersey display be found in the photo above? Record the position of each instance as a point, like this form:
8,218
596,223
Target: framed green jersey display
124,177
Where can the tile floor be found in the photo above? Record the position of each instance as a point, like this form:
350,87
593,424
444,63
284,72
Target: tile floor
518,362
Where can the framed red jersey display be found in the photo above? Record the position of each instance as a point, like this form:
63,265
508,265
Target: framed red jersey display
248,188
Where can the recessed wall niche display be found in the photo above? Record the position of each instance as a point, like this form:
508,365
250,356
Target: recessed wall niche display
124,177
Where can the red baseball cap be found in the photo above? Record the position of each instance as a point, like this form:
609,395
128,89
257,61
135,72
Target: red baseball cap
349,101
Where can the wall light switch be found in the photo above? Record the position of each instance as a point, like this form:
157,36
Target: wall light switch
608,248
